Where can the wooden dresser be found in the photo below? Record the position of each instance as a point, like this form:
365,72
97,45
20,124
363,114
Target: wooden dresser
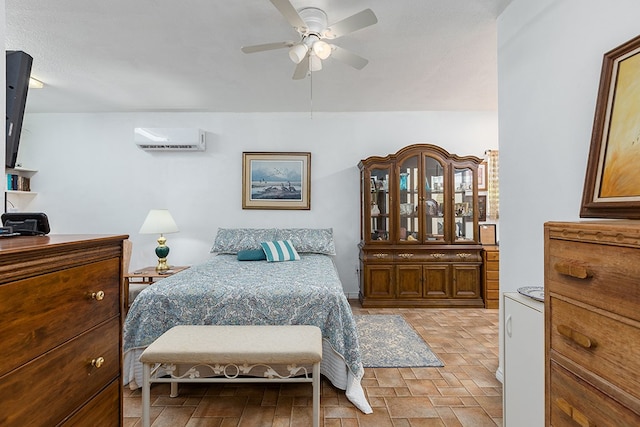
491,276
592,323
61,305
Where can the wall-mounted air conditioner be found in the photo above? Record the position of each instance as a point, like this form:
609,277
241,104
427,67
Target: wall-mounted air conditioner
169,139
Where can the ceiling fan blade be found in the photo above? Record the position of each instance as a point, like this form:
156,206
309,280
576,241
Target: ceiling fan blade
349,58
348,25
302,69
290,13
266,46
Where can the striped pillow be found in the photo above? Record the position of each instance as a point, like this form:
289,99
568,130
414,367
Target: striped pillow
280,250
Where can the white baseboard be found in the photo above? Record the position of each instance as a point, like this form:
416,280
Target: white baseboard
500,375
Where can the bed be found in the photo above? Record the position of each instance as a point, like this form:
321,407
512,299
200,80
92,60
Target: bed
226,291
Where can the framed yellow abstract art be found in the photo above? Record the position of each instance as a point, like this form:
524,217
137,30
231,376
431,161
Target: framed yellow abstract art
612,182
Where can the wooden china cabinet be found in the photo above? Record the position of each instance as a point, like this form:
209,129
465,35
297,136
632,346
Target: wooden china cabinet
419,229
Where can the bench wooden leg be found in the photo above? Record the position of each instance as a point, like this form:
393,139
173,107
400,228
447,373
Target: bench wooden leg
316,394
146,394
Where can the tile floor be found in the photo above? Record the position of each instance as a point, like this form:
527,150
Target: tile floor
464,392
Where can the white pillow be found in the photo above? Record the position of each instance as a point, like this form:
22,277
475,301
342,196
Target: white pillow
280,250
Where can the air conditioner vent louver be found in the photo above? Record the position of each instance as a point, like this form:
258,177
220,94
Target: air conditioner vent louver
170,139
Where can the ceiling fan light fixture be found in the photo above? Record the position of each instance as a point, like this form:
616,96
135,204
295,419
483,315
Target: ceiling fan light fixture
321,49
315,63
298,52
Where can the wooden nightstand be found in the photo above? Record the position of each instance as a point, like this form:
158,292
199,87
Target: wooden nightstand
146,276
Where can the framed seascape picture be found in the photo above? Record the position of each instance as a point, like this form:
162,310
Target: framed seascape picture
276,180
612,181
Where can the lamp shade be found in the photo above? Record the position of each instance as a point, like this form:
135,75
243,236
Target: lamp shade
298,52
158,221
321,49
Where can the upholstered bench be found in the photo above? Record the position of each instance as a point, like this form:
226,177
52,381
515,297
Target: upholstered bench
231,352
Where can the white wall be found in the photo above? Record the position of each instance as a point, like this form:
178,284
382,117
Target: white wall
93,179
549,61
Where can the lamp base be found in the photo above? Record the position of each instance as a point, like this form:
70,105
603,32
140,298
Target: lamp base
161,252
162,265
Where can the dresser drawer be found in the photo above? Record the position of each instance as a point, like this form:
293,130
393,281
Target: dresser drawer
48,310
604,276
493,257
608,346
44,391
574,402
103,410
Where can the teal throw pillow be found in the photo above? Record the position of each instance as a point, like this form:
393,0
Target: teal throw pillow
280,250
251,255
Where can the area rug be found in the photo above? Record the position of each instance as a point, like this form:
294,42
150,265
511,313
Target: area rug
388,341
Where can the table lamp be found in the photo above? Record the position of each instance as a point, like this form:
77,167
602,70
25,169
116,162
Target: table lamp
160,221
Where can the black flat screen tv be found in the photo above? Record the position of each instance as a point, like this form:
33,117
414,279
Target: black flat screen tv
18,73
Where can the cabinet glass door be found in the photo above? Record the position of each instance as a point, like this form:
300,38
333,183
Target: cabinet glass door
408,200
380,203
434,201
463,204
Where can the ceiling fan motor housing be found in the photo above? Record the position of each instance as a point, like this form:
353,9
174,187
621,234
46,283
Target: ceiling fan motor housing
315,19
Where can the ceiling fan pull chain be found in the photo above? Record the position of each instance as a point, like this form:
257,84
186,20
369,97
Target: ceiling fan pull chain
310,88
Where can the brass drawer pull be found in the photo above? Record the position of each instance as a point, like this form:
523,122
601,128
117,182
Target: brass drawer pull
98,296
438,255
98,362
380,255
577,416
572,270
407,255
576,337
463,255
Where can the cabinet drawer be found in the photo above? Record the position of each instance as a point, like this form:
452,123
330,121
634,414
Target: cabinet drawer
50,309
609,348
492,275
418,256
102,410
574,402
492,256
382,255
46,390
604,276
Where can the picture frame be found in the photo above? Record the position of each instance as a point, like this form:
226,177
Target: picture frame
482,208
612,179
276,180
482,176
487,234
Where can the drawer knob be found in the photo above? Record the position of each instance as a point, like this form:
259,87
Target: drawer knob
577,337
572,412
407,255
98,296
572,270
380,255
437,255
464,255
97,362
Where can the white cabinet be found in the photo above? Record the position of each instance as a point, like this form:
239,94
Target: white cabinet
523,361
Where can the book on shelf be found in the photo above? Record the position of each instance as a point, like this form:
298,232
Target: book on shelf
18,183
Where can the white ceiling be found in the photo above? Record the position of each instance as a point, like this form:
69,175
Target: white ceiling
168,55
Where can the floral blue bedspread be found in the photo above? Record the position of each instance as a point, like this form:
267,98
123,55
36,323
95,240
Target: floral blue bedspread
225,291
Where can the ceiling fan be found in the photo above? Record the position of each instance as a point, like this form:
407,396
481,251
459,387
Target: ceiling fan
315,36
